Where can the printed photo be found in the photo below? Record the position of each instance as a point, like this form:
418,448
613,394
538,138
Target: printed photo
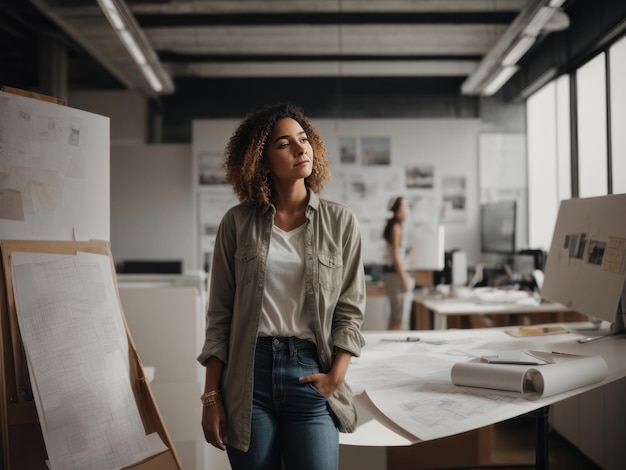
210,169
376,150
347,150
595,254
420,176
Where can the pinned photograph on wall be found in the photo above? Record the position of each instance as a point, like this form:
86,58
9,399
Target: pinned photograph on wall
391,180
595,253
614,255
424,209
454,199
376,150
347,150
574,245
210,169
420,176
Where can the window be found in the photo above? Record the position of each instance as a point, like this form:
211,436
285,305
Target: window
563,136
541,127
592,128
617,72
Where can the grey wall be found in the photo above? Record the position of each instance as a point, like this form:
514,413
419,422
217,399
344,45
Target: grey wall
151,210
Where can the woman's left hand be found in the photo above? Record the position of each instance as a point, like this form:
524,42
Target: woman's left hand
322,382
326,384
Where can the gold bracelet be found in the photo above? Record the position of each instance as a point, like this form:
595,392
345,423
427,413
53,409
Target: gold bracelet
211,398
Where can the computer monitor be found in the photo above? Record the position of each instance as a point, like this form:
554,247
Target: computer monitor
586,265
497,227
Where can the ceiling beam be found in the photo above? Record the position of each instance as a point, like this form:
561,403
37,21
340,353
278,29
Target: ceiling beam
370,40
324,6
425,68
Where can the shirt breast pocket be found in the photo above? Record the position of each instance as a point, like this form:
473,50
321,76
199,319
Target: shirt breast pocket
246,264
330,270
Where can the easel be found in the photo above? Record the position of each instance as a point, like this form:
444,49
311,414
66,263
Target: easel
32,94
21,439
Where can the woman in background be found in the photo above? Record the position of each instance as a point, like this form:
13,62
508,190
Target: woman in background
398,281
286,303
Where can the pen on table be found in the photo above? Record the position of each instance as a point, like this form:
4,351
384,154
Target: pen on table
408,339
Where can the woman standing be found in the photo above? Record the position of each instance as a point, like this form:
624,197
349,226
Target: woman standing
286,303
398,281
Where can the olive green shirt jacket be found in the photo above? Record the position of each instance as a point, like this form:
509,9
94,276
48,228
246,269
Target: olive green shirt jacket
334,305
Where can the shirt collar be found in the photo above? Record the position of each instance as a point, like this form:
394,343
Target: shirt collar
314,202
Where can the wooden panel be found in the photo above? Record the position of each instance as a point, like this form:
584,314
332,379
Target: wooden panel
471,448
424,278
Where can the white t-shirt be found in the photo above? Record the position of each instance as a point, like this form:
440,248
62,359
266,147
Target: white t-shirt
284,296
404,250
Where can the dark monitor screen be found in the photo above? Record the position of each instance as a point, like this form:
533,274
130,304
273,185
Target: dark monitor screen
497,227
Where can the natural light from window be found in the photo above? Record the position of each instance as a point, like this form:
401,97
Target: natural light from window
541,128
617,65
592,128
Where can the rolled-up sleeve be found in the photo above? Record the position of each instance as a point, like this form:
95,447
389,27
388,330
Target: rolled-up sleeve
350,308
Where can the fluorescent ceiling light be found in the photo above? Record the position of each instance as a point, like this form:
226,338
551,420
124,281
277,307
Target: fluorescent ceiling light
112,13
110,34
537,16
518,50
500,79
154,82
538,21
133,48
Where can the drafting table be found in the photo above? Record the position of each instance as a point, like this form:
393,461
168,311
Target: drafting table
376,429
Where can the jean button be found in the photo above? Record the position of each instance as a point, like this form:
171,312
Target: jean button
276,342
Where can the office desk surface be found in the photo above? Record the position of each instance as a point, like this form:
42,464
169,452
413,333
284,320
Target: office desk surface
470,307
394,370
442,308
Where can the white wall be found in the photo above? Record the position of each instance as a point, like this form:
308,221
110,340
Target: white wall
449,146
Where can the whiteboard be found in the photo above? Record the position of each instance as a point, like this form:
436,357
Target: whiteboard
54,171
586,265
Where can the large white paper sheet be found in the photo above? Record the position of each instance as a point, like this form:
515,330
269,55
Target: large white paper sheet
408,379
77,352
409,382
432,410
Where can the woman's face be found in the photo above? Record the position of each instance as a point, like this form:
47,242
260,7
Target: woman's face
403,209
289,152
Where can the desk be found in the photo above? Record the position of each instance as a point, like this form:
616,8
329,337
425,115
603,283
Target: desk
400,370
441,313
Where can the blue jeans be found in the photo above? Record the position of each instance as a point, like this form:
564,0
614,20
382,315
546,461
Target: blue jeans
290,421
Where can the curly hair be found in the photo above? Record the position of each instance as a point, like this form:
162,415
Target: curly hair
246,156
